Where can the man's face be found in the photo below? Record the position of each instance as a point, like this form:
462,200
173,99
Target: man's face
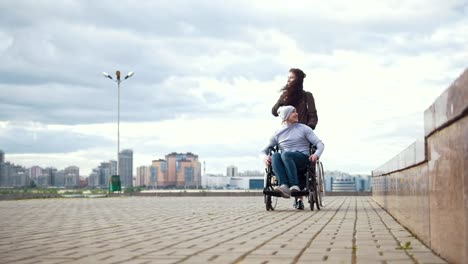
291,78
293,117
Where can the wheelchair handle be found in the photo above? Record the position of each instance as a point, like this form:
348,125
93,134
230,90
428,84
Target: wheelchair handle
272,150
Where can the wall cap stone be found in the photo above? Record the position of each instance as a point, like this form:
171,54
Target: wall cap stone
449,106
410,156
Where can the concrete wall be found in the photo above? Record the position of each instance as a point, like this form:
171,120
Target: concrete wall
425,187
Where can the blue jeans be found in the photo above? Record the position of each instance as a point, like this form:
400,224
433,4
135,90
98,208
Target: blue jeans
286,164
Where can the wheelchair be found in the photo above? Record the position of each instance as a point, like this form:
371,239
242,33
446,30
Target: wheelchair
314,184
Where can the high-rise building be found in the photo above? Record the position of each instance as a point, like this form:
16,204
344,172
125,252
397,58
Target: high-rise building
72,176
104,173
13,175
113,167
153,180
41,181
72,180
18,176
126,167
59,178
100,175
158,173
50,174
143,176
2,169
93,178
183,170
35,172
180,170
231,171
72,170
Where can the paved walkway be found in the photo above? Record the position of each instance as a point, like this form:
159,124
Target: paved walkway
203,230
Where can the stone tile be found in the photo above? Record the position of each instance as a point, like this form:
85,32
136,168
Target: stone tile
399,261
173,229
427,257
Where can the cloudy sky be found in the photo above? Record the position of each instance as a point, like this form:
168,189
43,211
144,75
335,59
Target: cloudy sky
208,72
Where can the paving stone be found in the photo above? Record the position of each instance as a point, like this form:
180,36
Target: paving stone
339,259
427,258
141,230
400,261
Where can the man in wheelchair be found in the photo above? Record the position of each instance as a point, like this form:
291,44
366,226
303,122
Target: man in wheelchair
293,140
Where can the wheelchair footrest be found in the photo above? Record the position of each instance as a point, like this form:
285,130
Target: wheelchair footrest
299,193
293,194
272,193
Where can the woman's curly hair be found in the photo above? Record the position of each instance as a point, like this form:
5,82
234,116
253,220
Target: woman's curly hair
292,92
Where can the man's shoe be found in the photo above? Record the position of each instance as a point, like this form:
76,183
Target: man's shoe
294,188
284,190
300,205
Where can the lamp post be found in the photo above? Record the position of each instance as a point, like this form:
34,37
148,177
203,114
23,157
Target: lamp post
118,81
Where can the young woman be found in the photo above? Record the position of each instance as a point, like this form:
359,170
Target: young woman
293,94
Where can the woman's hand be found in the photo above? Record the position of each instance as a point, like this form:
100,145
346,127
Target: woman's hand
267,160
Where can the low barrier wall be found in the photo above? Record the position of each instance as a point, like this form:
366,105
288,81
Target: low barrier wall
425,187
231,193
21,196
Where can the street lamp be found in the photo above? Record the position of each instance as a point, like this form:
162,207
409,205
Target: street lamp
118,81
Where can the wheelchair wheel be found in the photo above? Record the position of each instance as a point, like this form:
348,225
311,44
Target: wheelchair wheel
311,200
310,185
267,202
270,183
317,199
313,194
270,202
320,183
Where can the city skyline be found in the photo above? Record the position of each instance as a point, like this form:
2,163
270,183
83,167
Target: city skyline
134,170
177,170
110,165
231,170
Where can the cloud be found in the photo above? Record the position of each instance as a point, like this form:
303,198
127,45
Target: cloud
207,74
18,138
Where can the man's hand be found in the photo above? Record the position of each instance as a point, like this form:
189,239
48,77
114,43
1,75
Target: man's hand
313,158
267,160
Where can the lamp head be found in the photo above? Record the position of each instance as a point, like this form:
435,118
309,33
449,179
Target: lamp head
105,74
130,74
